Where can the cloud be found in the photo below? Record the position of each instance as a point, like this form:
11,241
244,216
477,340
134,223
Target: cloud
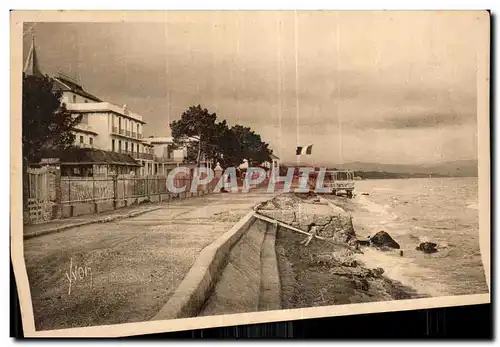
422,120
369,73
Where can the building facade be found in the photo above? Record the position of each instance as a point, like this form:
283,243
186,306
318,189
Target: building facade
110,128
166,156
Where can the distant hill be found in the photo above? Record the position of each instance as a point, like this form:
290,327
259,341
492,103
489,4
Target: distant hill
459,168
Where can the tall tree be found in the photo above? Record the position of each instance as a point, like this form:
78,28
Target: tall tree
195,124
252,147
216,140
227,149
46,123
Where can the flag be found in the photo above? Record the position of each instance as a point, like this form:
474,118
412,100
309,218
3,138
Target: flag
304,149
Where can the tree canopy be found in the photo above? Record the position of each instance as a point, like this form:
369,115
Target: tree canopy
216,140
46,123
252,147
194,131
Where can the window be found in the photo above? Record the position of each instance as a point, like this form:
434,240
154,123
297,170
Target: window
113,145
119,123
81,139
126,146
74,98
137,129
119,146
132,147
91,141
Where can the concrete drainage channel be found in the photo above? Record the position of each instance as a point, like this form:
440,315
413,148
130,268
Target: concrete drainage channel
235,274
239,272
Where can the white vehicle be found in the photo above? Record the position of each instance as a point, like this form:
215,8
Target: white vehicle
340,181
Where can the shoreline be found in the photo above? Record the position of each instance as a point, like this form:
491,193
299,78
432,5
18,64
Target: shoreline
324,274
434,275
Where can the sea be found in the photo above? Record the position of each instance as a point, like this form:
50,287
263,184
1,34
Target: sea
439,210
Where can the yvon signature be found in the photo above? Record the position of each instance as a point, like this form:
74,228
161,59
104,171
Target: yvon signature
78,274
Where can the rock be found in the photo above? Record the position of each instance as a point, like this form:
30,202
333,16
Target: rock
323,260
360,283
365,194
377,272
310,214
354,243
332,222
286,216
383,239
364,242
350,263
350,271
360,271
340,271
427,247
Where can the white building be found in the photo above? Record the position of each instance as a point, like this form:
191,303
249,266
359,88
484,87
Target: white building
104,126
166,156
111,128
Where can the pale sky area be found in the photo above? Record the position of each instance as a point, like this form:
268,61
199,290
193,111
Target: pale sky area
382,87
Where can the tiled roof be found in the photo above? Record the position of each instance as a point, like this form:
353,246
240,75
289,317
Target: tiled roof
67,85
87,156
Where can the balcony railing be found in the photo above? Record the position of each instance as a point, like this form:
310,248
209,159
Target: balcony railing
127,133
167,159
137,155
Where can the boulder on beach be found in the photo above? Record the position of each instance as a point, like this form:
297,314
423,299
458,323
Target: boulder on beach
383,239
427,247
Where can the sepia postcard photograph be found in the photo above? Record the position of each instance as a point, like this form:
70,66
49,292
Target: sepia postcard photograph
177,170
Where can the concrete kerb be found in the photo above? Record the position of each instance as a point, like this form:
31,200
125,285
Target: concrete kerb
93,221
190,296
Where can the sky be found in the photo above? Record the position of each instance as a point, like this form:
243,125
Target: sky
385,87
